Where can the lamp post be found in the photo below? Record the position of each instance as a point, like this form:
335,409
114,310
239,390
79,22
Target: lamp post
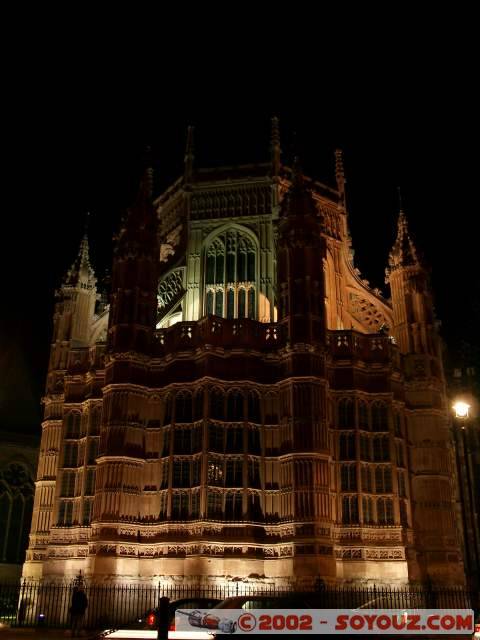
465,476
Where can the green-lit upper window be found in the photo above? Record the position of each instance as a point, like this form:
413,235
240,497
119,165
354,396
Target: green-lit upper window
230,276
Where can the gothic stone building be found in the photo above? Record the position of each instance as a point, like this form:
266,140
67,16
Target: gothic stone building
246,406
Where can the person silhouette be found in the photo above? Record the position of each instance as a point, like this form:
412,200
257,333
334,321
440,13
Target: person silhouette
77,609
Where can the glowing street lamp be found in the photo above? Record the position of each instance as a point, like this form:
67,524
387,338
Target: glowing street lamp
461,425
461,409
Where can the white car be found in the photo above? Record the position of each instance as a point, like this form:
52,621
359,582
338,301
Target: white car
146,634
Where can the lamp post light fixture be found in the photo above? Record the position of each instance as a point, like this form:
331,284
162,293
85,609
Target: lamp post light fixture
461,409
465,477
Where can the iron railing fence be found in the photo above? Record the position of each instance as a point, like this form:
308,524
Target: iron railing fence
33,604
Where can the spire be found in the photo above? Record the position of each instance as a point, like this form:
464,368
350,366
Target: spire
340,175
300,252
135,268
146,183
297,173
298,200
87,222
81,271
275,149
189,156
400,202
138,227
404,252
141,214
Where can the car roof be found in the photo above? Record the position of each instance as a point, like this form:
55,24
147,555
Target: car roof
236,602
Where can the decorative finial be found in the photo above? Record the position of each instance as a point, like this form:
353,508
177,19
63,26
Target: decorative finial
146,185
189,156
340,175
86,224
402,224
404,252
297,172
275,148
400,203
81,269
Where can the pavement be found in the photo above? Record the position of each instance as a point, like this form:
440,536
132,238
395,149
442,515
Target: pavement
7,633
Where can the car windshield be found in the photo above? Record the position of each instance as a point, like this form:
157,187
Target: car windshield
268,602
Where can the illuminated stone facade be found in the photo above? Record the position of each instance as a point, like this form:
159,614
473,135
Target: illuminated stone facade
246,406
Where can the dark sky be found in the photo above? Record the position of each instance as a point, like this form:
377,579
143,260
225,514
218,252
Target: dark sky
399,99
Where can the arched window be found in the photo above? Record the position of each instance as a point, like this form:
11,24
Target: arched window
68,484
199,405
397,418
346,414
217,409
254,474
347,446
271,408
383,480
254,507
216,438
385,511
183,407
367,505
70,455
254,447
87,511
235,406
365,447
233,506
400,456
72,429
214,505
350,510
180,506
241,303
235,440
210,298
168,409
234,473
363,416
215,470
95,421
379,417
230,303
348,477
5,508
366,473
402,486
381,449
16,505
230,275
253,407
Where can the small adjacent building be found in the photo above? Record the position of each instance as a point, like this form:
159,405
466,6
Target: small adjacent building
18,466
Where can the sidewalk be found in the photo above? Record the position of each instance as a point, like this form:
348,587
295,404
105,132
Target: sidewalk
7,633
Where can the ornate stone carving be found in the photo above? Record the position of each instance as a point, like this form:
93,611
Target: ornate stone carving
232,202
384,554
366,312
348,554
171,243
171,289
127,551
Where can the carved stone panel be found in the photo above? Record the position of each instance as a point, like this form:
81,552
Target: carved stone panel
366,312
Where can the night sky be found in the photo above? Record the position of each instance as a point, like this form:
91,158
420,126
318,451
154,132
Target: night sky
402,108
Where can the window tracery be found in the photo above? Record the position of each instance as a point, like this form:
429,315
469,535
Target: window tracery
230,276
16,505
